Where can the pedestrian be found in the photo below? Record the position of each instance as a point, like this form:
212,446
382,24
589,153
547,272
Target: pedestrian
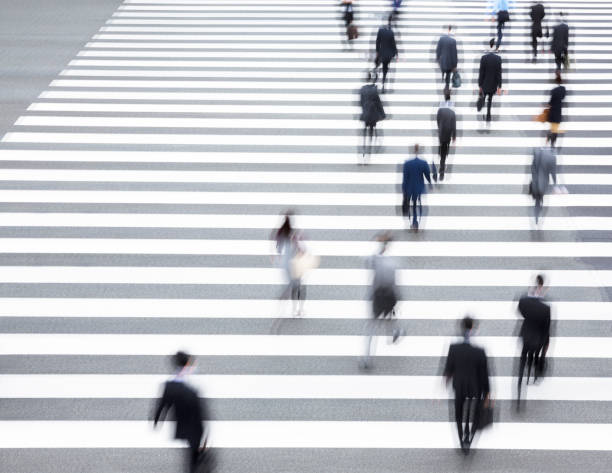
189,411
467,366
349,25
288,247
415,171
560,42
500,9
447,129
446,56
537,14
555,108
535,333
386,49
395,5
543,167
383,296
371,113
347,14
490,77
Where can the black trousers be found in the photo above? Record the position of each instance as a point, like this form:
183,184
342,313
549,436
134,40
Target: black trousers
446,75
193,453
444,146
534,44
416,204
466,409
489,99
559,59
531,356
385,69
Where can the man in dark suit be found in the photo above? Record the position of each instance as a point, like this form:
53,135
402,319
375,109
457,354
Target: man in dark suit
386,49
446,55
188,410
490,77
536,13
466,365
560,41
535,332
415,172
447,129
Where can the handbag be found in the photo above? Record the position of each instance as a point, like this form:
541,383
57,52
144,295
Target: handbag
480,102
456,80
542,117
352,32
485,416
302,263
503,16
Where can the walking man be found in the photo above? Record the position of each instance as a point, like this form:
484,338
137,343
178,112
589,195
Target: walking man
467,366
386,49
371,113
490,77
537,15
543,167
447,129
560,42
500,9
415,172
446,56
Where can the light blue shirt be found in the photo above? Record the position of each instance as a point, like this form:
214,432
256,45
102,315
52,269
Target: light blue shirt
500,5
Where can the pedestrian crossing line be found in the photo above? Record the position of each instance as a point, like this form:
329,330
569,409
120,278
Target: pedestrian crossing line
281,345
266,308
112,386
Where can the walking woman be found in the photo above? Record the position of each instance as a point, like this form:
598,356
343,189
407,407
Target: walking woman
371,113
288,247
555,104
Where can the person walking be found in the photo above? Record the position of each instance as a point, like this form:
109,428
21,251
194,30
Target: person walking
288,247
543,167
555,108
415,171
189,410
383,296
349,26
535,333
490,77
371,113
386,49
447,129
446,56
467,367
537,14
560,42
500,10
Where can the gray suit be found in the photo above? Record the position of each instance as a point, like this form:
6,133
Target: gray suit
544,166
446,56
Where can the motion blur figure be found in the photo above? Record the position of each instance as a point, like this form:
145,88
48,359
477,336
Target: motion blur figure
383,296
447,129
348,16
288,247
555,108
386,49
560,42
543,168
415,171
500,9
490,77
537,14
371,113
466,365
446,56
180,396
535,333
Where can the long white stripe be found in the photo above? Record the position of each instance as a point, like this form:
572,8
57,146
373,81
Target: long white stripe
280,345
291,387
268,308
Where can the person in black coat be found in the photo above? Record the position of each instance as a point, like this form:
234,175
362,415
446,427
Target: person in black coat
560,41
467,366
386,49
371,112
535,332
447,129
490,77
555,108
536,14
188,411
446,56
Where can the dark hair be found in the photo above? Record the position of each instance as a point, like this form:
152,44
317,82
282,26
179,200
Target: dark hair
181,359
447,94
390,19
467,323
540,280
285,229
492,42
450,27
416,148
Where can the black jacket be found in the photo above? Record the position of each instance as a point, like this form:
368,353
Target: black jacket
371,107
447,124
490,74
467,365
560,39
386,48
446,53
535,330
557,95
188,410
537,15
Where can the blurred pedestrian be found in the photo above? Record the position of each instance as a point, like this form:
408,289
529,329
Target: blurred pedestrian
415,171
349,25
446,56
447,129
383,296
560,43
535,333
189,410
288,247
466,365
371,113
555,108
386,49
537,14
490,78
543,167
500,9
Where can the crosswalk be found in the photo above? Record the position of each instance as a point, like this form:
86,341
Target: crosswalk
138,194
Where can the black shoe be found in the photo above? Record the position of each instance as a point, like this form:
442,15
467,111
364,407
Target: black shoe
465,447
441,176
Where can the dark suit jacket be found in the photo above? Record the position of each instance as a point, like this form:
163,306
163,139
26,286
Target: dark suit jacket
557,95
537,15
415,172
467,365
371,107
447,124
386,48
188,410
446,53
490,75
535,331
560,39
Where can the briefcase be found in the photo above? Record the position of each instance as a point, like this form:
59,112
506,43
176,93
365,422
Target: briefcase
485,417
480,102
352,32
456,80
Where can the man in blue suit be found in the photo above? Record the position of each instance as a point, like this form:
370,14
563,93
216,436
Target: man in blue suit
413,185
